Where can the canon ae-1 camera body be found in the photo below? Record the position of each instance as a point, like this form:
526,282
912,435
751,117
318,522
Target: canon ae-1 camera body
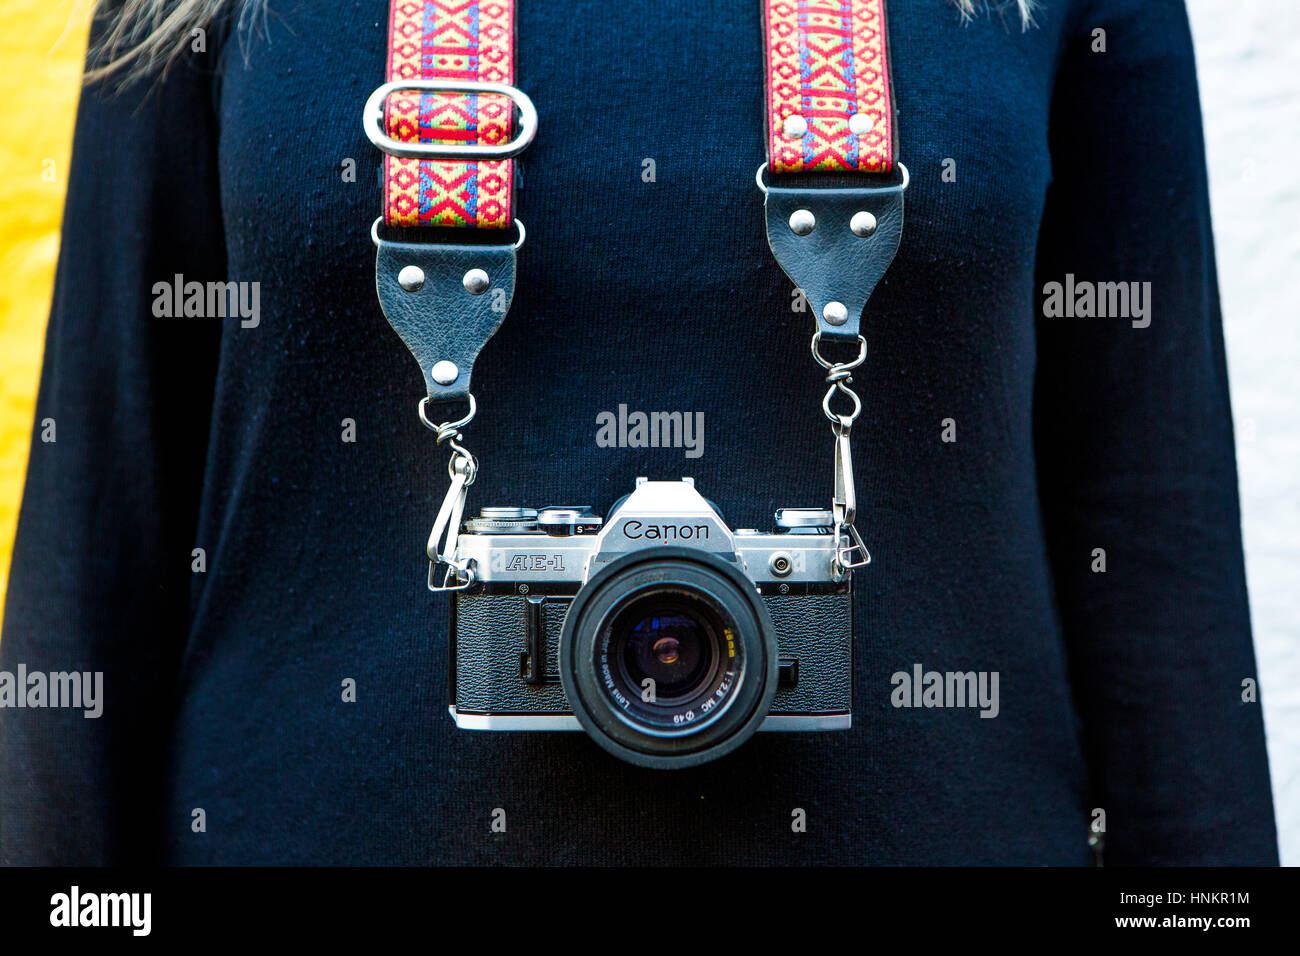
667,636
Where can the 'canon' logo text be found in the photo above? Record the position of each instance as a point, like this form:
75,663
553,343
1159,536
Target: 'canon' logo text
666,532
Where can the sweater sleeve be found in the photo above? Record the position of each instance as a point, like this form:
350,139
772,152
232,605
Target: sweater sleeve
1135,453
101,569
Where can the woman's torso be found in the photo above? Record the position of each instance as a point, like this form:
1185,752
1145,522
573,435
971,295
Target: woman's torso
658,296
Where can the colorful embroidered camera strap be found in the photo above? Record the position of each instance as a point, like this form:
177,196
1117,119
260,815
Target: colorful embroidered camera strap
829,102
458,41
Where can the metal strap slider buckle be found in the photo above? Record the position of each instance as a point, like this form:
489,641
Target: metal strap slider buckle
373,114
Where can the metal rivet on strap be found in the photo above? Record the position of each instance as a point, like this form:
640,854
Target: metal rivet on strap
444,372
862,224
476,282
794,125
835,313
411,278
802,222
860,124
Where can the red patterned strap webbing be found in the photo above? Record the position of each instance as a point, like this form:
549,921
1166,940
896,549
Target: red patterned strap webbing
457,40
829,104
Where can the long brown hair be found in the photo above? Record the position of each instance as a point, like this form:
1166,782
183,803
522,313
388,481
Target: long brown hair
145,36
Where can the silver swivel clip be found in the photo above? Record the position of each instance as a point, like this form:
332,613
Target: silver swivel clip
850,550
463,469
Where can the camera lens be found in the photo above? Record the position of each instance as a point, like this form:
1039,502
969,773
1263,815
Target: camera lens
668,657
665,653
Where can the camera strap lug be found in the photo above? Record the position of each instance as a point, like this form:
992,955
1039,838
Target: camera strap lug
835,244
445,302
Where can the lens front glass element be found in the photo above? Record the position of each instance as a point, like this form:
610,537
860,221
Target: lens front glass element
671,648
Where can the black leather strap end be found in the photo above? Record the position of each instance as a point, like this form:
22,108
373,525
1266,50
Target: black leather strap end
831,263
441,320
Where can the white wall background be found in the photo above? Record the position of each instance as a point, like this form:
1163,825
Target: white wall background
1248,54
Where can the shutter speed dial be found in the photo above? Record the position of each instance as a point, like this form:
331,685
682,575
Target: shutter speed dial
566,521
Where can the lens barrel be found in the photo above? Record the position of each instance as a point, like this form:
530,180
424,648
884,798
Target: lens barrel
668,657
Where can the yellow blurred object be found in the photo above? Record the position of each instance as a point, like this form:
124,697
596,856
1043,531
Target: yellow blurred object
42,45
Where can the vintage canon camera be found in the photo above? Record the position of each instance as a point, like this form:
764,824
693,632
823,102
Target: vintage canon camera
664,634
